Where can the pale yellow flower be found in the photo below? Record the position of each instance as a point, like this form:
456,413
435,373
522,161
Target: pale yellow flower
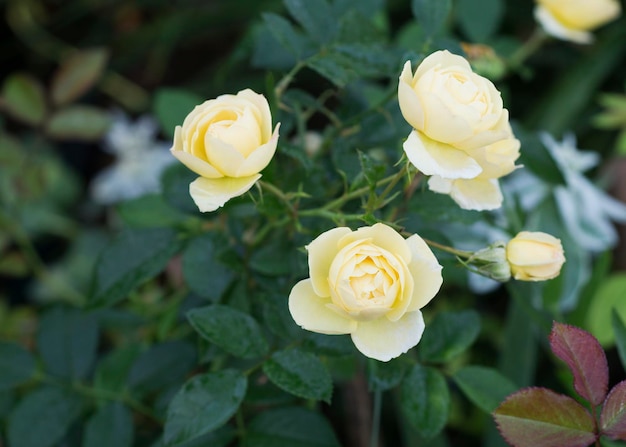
227,141
370,283
574,19
460,131
535,256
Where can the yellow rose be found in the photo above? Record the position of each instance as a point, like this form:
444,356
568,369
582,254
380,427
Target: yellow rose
227,141
535,256
460,131
370,283
574,19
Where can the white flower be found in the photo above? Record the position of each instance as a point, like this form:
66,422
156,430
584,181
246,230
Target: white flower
140,160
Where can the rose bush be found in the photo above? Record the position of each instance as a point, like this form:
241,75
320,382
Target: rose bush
574,19
370,283
535,256
461,134
227,141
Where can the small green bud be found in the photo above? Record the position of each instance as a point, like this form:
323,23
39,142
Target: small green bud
491,262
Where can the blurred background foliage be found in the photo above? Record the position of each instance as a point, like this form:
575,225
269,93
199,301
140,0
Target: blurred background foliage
102,292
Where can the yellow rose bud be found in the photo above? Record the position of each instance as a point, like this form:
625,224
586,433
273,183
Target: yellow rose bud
227,141
574,19
370,283
535,256
461,130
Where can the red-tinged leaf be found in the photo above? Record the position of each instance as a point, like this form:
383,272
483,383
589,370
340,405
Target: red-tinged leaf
22,97
78,122
613,417
538,417
77,74
585,358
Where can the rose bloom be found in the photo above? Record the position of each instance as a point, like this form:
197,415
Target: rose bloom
461,130
535,256
370,283
574,19
227,141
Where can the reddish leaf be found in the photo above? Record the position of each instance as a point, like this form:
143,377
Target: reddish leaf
585,358
538,417
613,417
77,74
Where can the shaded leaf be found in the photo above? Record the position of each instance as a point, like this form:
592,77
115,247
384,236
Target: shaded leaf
585,358
485,387
113,369
299,373
384,376
315,16
68,342
42,418
204,403
171,106
111,425
134,257
204,273
78,122
17,365
232,330
620,336
431,15
149,211
22,97
284,32
77,74
538,417
425,400
448,335
335,67
613,416
479,19
293,427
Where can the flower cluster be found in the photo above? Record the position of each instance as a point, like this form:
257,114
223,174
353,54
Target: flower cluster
461,135
371,282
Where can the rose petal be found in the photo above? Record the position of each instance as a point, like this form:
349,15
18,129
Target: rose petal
426,272
262,111
556,29
210,194
383,340
322,251
198,166
473,194
223,156
443,58
312,313
261,157
408,100
383,236
434,158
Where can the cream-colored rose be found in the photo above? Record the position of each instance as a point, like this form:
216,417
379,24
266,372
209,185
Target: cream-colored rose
460,131
535,256
227,141
574,19
370,283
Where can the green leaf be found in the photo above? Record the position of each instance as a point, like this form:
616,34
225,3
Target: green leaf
431,15
334,66
161,365
113,369
384,376
149,211
133,258
293,427
68,342
613,416
232,330
111,425
205,275
607,300
42,418
479,19
619,328
175,181
448,335
171,106
22,97
276,258
284,32
204,403
538,417
17,365
77,74
299,373
78,122
315,16
485,387
373,169
425,400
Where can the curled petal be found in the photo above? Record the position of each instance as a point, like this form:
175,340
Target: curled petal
210,194
426,272
384,237
322,251
384,340
472,194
